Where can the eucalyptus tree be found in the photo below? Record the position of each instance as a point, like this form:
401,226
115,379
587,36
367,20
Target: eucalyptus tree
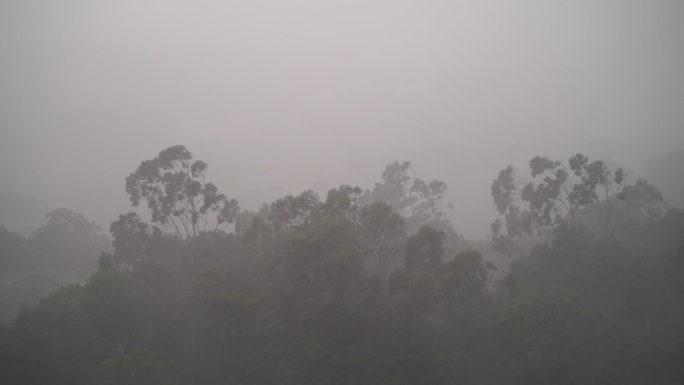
419,202
381,236
554,196
177,193
295,211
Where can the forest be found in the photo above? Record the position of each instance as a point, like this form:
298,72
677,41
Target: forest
582,282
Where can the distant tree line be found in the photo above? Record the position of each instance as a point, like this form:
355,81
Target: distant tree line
368,286
61,252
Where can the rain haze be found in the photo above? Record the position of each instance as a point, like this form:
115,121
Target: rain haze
342,192
281,96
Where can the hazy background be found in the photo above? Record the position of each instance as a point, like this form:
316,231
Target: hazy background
280,96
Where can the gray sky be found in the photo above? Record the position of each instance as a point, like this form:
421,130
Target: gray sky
280,96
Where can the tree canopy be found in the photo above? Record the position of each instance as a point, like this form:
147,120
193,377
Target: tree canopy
177,193
348,290
579,193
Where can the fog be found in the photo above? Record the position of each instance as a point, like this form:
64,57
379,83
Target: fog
566,267
278,97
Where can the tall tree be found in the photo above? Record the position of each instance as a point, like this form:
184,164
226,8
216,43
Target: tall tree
295,211
381,237
554,196
419,202
175,188
343,203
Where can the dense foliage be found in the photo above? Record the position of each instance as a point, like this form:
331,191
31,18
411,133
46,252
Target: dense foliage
63,251
364,287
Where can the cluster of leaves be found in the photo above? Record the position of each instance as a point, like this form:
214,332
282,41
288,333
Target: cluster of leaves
581,193
417,201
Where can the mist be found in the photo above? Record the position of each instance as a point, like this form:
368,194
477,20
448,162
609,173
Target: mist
278,97
356,192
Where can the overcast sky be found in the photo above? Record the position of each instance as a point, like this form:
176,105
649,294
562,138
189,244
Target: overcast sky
279,96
